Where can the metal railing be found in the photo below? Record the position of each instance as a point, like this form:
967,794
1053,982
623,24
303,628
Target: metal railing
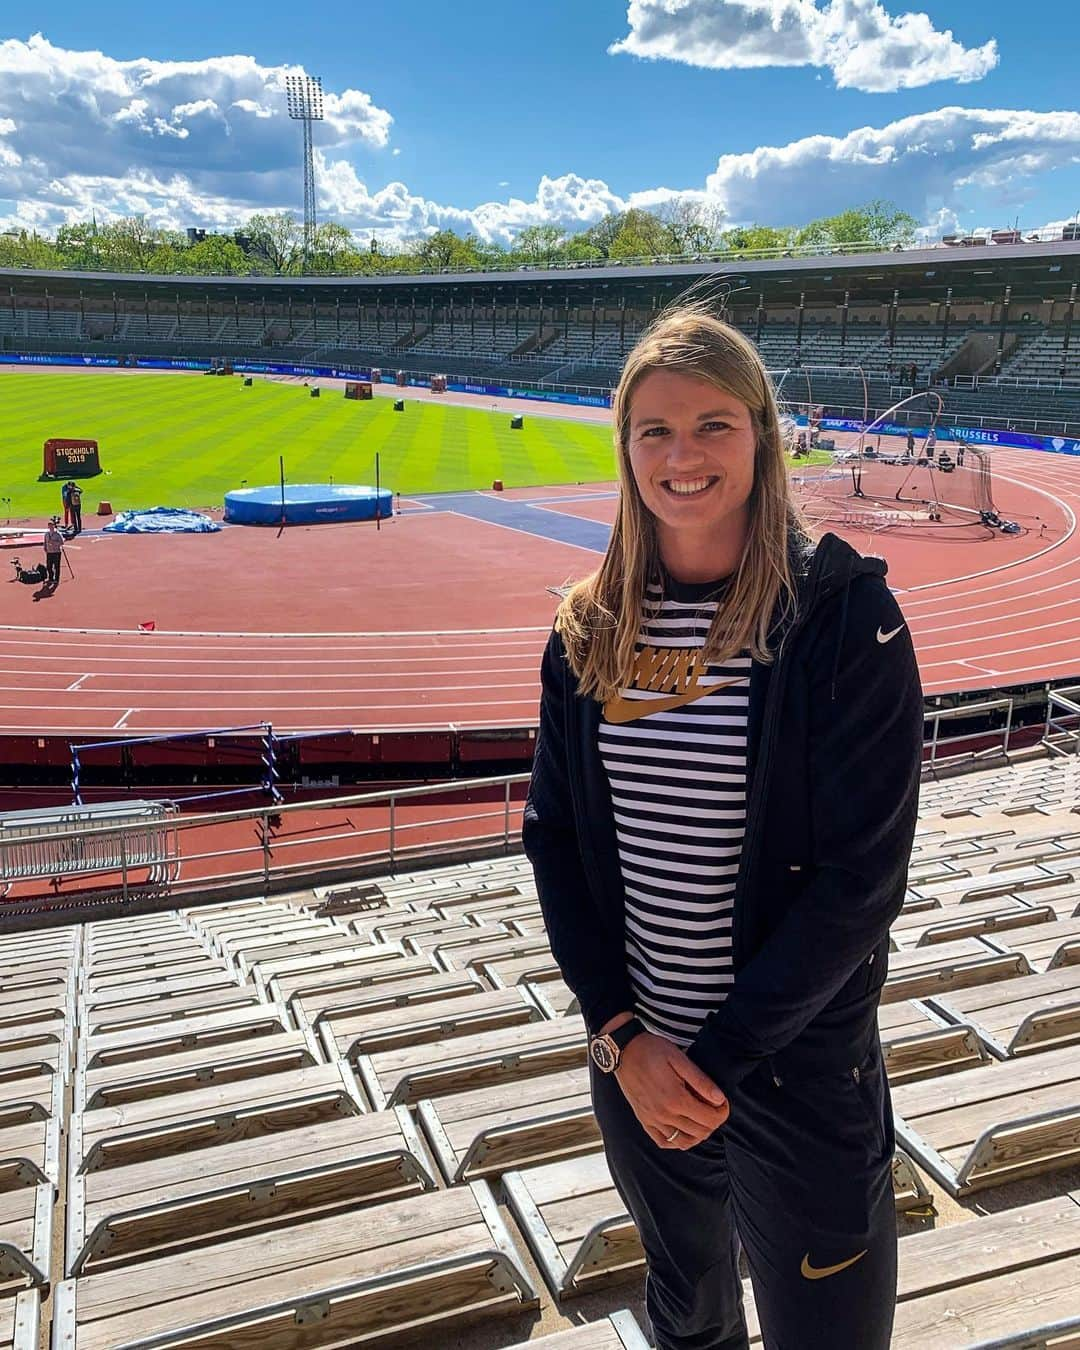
976,742
1062,732
255,847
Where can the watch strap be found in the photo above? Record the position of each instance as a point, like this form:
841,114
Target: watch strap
622,1036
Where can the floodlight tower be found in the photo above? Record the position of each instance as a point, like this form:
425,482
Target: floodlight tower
305,102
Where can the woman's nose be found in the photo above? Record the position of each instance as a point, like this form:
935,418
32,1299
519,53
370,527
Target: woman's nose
682,450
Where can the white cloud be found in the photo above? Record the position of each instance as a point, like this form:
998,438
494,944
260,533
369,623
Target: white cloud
863,45
923,162
219,123
209,143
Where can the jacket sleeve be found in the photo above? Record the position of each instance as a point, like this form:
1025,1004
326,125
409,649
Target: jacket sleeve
588,951
865,753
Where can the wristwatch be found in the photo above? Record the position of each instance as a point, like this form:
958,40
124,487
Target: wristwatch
606,1050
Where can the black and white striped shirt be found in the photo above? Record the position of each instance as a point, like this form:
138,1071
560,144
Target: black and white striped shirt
673,746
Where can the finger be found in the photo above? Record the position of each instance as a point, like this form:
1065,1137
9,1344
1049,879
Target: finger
698,1081
701,1115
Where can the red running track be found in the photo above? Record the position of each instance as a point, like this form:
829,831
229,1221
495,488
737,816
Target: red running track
440,620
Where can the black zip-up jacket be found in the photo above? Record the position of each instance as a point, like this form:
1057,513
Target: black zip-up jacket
834,739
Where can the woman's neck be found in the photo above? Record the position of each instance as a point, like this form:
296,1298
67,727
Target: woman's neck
688,557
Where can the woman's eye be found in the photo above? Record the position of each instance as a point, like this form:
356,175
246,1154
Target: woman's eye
715,426
655,431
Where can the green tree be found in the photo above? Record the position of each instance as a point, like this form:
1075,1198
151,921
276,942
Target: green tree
539,244
216,255
694,224
277,238
754,238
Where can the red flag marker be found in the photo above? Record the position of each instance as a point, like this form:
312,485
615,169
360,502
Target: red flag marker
147,626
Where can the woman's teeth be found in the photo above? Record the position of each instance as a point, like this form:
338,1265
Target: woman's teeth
688,487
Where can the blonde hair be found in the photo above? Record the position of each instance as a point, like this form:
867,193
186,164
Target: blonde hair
600,617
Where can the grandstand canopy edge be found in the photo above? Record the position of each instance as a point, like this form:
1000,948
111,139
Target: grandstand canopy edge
925,271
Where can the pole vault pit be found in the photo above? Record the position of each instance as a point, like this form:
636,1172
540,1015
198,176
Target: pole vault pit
307,504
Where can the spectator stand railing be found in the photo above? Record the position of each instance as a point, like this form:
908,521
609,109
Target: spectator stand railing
63,842
262,848
1062,733
940,750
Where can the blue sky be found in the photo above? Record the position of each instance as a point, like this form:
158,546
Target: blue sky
493,116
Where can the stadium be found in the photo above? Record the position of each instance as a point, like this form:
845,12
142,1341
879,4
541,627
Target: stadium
287,1059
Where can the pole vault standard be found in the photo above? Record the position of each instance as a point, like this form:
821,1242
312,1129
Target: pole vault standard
378,499
281,471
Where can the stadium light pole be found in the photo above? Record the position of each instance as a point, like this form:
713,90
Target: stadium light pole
304,96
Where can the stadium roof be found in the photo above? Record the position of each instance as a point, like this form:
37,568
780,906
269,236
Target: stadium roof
972,270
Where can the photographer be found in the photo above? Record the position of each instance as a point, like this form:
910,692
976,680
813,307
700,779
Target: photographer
54,550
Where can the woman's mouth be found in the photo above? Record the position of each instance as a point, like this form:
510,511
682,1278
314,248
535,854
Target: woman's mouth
688,487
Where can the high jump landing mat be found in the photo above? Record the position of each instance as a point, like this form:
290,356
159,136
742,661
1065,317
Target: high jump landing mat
307,504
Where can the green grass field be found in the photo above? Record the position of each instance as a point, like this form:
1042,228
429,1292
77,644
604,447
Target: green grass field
168,440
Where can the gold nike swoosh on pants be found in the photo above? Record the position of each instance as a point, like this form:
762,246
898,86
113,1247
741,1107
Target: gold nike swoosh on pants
810,1272
622,709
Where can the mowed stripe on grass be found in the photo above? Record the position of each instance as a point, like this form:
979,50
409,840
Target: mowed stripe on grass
185,441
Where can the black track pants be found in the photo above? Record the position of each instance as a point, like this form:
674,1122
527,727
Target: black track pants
801,1176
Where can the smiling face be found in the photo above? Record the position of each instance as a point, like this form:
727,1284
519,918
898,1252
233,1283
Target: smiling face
691,449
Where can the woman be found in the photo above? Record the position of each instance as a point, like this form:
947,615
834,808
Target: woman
720,819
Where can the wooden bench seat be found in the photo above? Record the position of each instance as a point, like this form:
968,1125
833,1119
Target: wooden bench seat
431,987
262,961
487,1131
186,1070
580,1232
103,979
554,997
502,972
464,953
21,1007
949,922
26,1216
1017,1017
20,1320
1046,945
916,1045
358,897
1021,880
213,1028
129,1213
487,1057
992,1279
36,973
149,989
156,1127
449,934
156,1011
394,927
617,1331
985,1126
372,1032
920,971
329,1282
30,1153
30,1097
24,1049
360,969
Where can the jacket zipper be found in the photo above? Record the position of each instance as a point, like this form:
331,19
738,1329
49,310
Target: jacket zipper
773,700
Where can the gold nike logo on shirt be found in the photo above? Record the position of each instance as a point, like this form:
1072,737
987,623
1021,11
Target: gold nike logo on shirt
656,670
810,1272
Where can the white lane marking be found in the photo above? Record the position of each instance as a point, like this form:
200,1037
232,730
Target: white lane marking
71,687
134,685
120,721
222,633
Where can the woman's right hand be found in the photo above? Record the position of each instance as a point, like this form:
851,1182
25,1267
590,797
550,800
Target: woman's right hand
668,1091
